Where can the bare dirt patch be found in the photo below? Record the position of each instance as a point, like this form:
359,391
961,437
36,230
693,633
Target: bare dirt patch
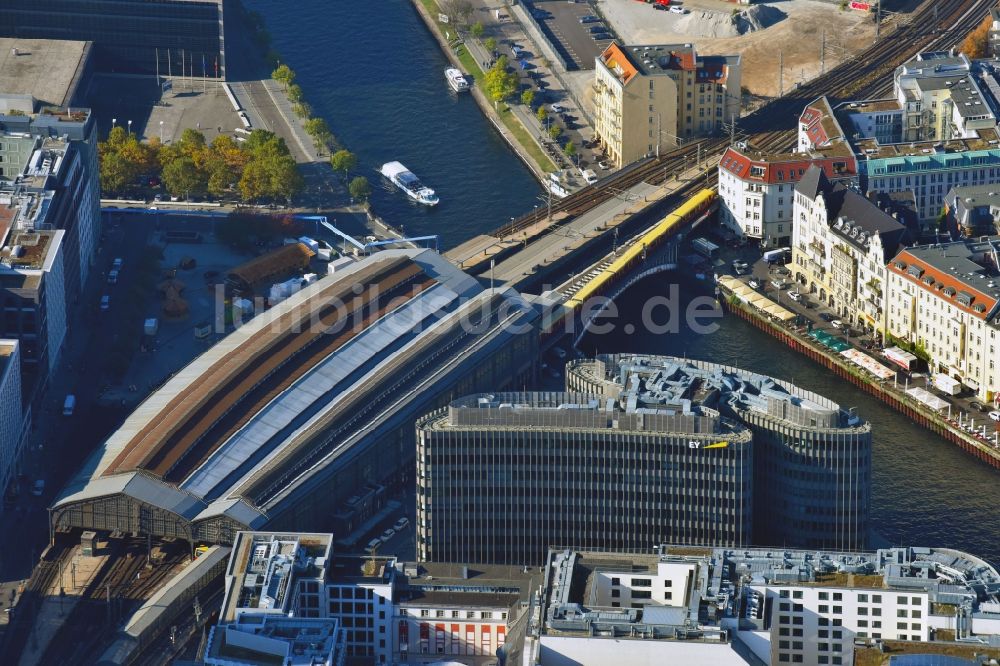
793,28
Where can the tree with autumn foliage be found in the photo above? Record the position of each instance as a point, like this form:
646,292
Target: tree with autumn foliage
977,43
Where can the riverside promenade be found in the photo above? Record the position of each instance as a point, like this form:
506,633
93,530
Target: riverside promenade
951,427
522,139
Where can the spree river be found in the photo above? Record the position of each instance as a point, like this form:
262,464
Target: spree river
376,75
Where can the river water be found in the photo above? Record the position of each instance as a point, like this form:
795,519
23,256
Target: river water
374,73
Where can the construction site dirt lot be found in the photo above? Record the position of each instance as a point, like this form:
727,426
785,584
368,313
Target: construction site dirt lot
792,28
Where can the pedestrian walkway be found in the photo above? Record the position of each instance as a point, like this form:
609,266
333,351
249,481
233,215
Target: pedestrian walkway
545,81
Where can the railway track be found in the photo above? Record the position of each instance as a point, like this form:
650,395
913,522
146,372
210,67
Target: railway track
772,128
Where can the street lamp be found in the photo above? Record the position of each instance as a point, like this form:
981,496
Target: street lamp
130,128
114,121
161,131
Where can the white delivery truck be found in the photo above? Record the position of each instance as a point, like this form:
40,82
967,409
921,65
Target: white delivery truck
947,384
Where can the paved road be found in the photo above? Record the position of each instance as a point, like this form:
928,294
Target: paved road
58,445
813,311
549,90
572,37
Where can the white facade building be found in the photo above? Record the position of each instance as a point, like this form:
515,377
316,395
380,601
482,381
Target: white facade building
756,190
841,245
388,612
945,298
758,606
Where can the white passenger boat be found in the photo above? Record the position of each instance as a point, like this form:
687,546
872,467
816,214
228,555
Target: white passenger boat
409,183
456,80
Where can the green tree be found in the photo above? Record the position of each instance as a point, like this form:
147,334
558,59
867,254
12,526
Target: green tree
116,173
343,162
490,44
542,114
500,83
302,109
295,93
528,97
570,149
284,75
319,131
359,189
477,30
116,137
555,131
183,178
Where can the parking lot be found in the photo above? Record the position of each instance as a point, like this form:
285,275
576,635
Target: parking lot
567,35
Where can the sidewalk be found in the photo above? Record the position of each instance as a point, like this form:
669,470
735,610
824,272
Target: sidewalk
548,86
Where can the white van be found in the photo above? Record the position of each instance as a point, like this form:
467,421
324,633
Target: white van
69,404
590,176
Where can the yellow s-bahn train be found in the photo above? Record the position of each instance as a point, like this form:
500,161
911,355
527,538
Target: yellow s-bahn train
687,212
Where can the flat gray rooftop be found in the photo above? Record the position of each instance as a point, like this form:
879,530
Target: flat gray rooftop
43,68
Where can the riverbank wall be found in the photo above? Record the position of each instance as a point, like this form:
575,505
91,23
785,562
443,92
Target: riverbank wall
891,395
477,94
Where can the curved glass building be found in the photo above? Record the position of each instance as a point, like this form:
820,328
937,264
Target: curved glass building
812,458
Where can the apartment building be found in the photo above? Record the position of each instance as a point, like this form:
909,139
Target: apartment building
386,611
652,98
937,131
974,210
702,607
756,190
945,298
841,244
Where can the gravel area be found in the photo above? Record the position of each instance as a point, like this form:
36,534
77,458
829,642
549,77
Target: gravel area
793,27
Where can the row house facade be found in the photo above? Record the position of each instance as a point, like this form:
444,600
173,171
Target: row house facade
841,245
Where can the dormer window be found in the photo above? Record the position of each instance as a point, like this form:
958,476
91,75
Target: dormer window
949,291
915,271
965,298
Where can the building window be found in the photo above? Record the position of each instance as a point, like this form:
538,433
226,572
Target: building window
642,582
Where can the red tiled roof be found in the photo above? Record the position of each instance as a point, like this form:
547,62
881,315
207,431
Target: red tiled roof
943,280
783,170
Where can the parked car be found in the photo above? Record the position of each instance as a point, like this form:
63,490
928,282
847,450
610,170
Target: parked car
516,50
556,108
373,544
113,276
38,488
754,284
599,27
678,10
795,296
980,406
589,18
837,324
105,302
117,264
600,36
826,316
401,523
603,165
778,284
388,534
995,416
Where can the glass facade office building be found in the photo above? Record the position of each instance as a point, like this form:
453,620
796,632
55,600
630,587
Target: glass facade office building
501,478
128,35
